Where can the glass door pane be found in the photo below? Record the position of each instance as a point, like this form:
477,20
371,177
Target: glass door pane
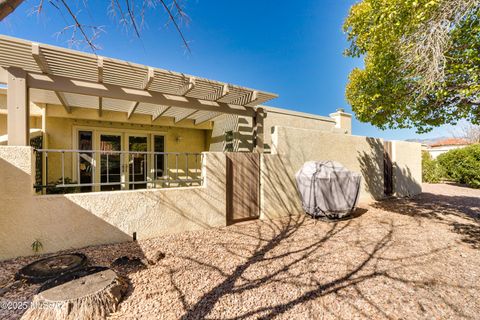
110,162
85,160
159,159
137,162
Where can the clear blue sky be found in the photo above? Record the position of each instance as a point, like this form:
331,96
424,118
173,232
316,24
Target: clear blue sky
290,48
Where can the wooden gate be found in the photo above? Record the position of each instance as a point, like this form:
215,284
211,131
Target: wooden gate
243,186
387,168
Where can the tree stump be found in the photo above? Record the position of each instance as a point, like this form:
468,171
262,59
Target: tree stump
91,296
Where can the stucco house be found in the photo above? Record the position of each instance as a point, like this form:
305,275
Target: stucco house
97,150
439,147
154,142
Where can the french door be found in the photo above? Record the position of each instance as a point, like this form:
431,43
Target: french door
111,171
123,162
138,163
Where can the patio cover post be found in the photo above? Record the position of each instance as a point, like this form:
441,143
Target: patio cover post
258,120
18,117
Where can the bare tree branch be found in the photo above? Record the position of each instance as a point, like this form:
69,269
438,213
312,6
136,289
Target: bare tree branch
172,18
8,6
467,131
424,52
80,27
124,11
132,18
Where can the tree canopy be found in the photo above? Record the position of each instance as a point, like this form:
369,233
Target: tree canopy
421,62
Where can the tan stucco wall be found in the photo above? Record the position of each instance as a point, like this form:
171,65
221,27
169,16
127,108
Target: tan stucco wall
3,124
407,168
292,147
243,127
77,220
279,117
35,123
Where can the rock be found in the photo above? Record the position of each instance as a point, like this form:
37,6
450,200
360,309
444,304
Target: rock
159,255
125,261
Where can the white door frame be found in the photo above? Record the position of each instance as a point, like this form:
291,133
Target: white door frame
126,147
96,145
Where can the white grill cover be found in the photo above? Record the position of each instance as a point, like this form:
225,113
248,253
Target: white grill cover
328,189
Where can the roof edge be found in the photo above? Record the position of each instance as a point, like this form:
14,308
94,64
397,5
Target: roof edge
297,113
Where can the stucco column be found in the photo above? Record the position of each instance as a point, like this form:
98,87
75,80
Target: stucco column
258,135
343,120
18,117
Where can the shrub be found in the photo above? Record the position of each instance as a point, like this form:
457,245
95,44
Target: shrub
431,171
462,165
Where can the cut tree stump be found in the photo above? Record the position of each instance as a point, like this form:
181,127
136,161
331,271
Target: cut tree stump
88,297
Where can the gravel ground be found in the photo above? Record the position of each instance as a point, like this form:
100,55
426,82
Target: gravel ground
398,259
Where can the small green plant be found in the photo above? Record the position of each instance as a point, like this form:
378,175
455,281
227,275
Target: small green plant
431,171
37,246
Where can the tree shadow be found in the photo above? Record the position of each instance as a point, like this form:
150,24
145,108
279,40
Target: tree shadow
460,213
272,253
371,167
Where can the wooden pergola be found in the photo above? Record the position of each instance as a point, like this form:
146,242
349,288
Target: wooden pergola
52,75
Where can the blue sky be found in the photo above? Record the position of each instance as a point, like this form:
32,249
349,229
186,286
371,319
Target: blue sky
293,49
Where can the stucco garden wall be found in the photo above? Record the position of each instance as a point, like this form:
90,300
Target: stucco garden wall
292,147
242,127
294,119
407,168
78,220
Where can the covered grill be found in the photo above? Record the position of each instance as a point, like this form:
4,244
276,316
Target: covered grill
328,189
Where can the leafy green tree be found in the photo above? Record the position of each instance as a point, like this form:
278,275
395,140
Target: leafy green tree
421,62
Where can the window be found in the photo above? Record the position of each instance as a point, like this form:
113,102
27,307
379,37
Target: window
85,159
137,161
111,162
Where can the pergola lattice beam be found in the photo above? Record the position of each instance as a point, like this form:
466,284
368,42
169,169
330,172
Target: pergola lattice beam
132,109
207,118
146,84
64,84
178,119
187,87
43,65
225,92
149,78
159,114
100,80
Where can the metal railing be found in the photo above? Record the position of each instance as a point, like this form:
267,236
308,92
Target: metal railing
122,170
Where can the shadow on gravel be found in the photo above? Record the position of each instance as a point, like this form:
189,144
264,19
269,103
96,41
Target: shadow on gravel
444,209
277,248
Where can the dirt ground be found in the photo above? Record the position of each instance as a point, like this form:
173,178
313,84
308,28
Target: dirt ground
397,259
